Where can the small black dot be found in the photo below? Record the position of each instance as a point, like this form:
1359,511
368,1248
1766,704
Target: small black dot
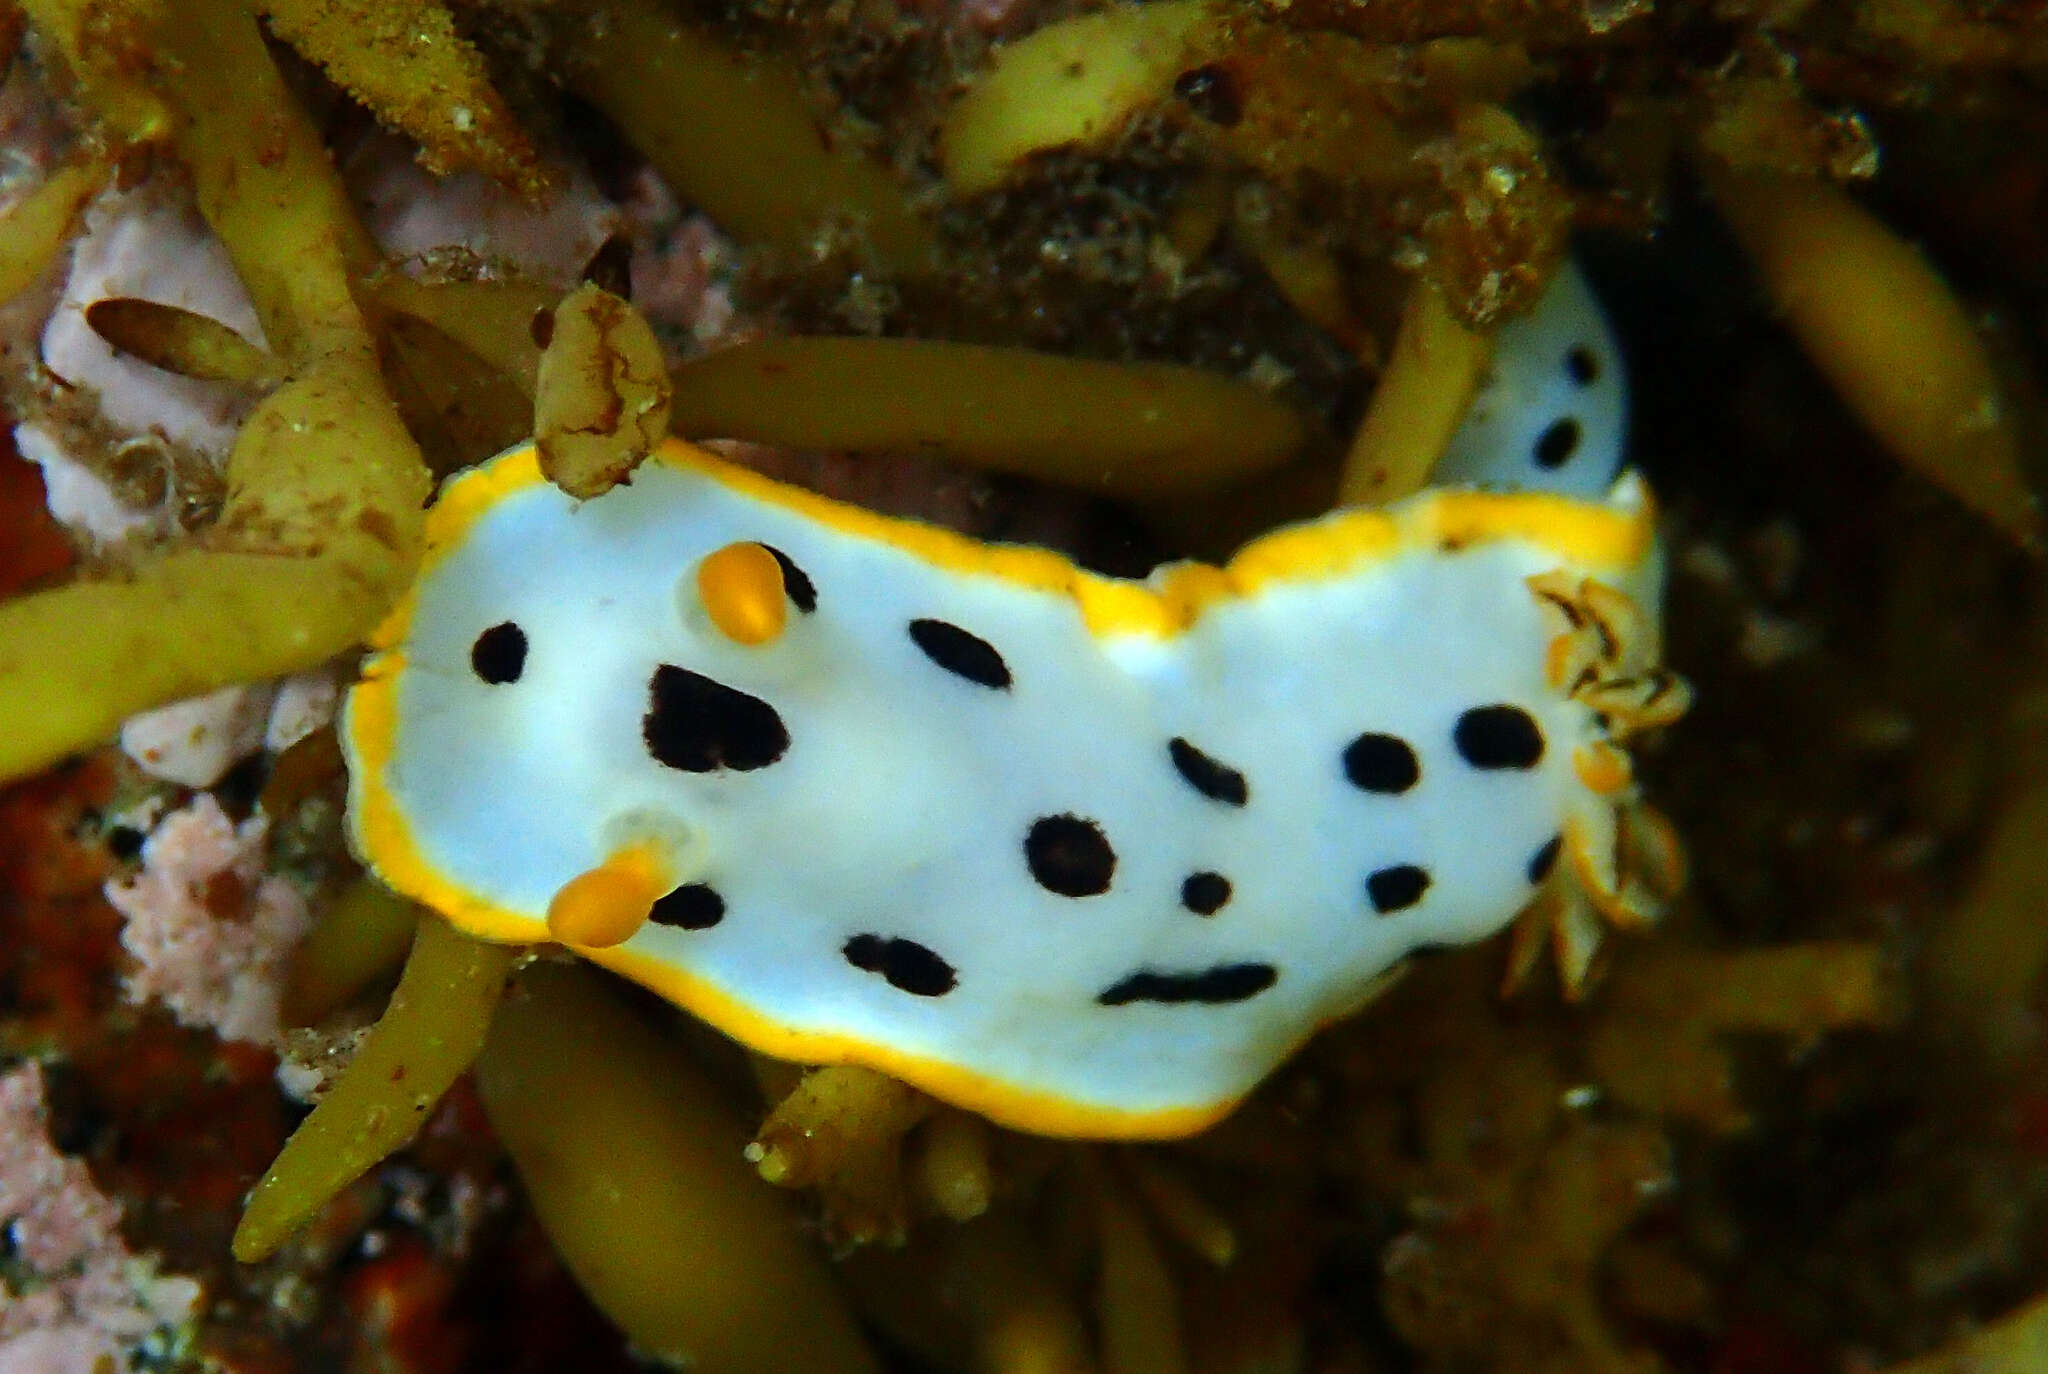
1381,763
499,654
1223,983
1556,445
957,651
1397,888
700,726
803,593
1204,893
124,842
1217,781
693,906
909,966
1545,859
1582,364
1498,737
1069,855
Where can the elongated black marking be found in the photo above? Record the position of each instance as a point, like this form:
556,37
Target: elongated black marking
803,593
907,965
1215,780
693,906
1222,984
962,653
1545,859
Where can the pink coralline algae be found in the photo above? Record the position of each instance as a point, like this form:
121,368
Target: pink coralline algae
210,930
85,1299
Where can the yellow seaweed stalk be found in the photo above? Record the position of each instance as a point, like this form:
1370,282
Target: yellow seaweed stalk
321,529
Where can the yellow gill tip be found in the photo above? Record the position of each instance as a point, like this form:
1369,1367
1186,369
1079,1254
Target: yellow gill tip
742,589
607,904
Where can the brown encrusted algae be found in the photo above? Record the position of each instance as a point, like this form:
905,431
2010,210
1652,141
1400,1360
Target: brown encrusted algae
601,394
322,523
407,62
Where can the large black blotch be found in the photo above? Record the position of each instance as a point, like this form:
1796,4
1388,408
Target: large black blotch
1069,855
693,906
961,652
1213,779
499,654
1498,737
701,726
1223,983
909,966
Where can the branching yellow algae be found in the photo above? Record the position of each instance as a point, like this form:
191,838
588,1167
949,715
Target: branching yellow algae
1879,321
322,524
1659,1047
1076,81
841,1131
406,62
459,407
492,319
1435,369
106,48
735,137
362,938
426,1038
1178,1208
1125,429
1137,1300
633,1165
34,229
952,1164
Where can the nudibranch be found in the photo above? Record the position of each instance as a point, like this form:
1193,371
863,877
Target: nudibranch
1088,855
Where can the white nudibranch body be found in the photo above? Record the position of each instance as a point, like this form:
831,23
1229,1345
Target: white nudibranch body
1088,855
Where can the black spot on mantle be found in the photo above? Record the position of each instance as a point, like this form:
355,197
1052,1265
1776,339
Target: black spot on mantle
1217,781
702,726
499,654
1498,737
1397,888
1204,893
961,653
693,906
1381,763
1069,855
907,965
